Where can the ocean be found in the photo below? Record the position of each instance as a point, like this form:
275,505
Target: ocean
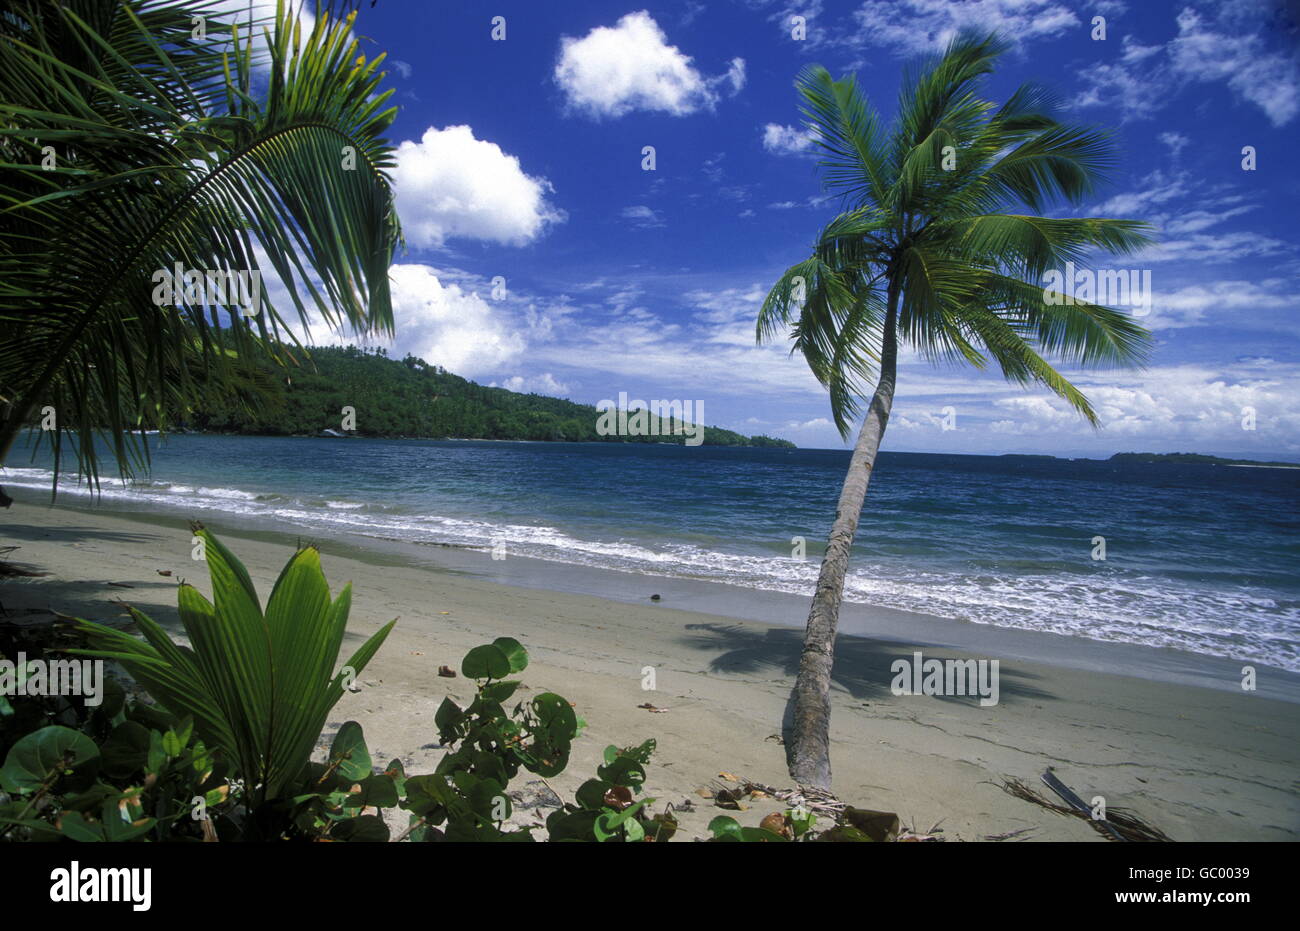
1198,558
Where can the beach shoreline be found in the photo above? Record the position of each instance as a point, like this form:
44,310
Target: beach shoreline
1174,738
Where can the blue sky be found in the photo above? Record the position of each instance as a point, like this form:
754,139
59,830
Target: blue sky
522,159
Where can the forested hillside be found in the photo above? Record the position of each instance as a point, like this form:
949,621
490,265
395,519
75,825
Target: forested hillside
413,398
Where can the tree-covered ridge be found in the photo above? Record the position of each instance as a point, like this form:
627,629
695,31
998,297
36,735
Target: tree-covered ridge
414,398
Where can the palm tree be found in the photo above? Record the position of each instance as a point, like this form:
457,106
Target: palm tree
926,255
141,136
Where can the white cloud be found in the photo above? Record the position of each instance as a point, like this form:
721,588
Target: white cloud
734,77
1185,406
642,217
914,26
450,184
544,383
1176,142
1232,49
786,140
1222,302
445,325
1270,80
1136,84
614,70
1181,233
1215,248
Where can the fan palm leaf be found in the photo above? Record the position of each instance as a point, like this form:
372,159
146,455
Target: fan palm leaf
259,684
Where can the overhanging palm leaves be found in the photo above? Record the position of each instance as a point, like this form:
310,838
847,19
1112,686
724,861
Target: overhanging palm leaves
933,251
130,145
259,685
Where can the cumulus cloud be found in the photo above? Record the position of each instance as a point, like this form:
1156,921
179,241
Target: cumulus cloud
446,325
614,70
734,77
786,140
450,184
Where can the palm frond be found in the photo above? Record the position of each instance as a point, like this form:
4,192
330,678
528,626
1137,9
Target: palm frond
167,158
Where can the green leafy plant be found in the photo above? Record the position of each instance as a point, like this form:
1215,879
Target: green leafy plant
130,772
259,685
794,824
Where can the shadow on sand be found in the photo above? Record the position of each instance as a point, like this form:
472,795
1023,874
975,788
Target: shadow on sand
862,665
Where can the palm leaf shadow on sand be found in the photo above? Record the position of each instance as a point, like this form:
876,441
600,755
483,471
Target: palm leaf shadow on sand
862,665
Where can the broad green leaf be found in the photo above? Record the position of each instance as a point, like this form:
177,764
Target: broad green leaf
349,749
51,755
485,662
514,651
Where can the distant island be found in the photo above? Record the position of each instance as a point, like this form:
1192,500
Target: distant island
411,398
1198,459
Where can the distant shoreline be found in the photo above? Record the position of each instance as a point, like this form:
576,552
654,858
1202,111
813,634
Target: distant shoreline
1167,458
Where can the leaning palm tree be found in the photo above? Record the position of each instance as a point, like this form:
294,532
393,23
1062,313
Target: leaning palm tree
930,252
147,143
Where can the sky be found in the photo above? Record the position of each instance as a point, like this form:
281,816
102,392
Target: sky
542,255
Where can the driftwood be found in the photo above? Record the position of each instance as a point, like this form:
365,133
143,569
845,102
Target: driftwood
1120,823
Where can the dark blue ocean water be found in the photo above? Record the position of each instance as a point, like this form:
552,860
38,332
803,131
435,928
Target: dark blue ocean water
1201,558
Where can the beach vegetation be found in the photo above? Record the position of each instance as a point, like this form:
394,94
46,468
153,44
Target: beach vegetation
257,683
217,738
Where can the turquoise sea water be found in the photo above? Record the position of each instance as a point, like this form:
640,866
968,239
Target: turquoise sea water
1199,558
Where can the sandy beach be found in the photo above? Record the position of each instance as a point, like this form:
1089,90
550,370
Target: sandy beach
1173,738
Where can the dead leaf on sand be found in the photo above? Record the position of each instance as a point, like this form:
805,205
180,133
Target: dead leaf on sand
446,672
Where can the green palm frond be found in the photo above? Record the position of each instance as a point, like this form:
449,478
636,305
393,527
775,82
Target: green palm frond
169,151
847,130
1020,363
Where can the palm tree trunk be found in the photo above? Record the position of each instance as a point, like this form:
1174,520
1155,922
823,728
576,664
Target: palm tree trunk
809,746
